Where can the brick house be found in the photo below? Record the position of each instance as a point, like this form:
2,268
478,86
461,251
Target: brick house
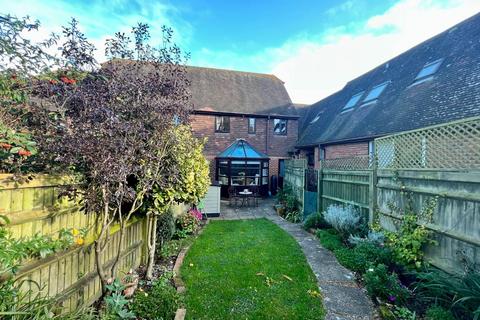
434,82
232,105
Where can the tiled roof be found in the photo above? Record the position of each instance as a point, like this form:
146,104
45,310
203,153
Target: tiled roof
239,92
452,93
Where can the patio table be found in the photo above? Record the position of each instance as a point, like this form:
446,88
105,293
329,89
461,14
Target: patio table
245,195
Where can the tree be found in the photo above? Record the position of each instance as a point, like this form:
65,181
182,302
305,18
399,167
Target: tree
188,185
20,60
113,125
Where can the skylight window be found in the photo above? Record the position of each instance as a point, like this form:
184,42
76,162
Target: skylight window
316,117
429,69
353,101
376,92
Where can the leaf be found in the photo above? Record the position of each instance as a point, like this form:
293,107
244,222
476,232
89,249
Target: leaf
287,277
15,149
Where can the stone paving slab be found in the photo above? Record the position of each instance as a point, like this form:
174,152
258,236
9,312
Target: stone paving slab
343,298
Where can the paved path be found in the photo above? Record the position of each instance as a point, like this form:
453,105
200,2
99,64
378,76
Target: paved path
342,297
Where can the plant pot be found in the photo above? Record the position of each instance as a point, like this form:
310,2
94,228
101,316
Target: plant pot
130,288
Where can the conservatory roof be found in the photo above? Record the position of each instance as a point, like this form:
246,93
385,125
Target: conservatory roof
241,149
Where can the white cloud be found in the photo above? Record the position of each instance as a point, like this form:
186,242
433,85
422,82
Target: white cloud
100,20
314,68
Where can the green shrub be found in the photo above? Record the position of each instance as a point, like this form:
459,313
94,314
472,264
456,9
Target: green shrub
173,247
186,224
116,303
347,220
347,258
459,293
369,253
381,283
438,313
160,302
294,216
315,221
408,242
165,227
330,239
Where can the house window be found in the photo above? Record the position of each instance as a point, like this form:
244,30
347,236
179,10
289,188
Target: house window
429,69
222,124
280,127
376,92
321,154
353,101
252,125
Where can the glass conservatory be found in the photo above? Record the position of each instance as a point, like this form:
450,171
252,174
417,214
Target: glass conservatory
242,166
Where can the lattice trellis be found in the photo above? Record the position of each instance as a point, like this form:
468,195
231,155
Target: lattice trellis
352,163
455,145
296,163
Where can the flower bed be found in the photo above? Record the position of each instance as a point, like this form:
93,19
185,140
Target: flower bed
391,267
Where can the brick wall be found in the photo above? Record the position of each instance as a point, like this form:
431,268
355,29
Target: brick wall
272,145
346,150
275,146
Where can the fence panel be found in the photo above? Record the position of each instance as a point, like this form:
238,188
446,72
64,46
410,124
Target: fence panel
456,220
440,161
295,179
346,187
70,276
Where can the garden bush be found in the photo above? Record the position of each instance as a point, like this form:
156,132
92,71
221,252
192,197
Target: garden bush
160,302
165,227
367,254
376,237
459,293
408,242
438,313
330,239
381,283
186,224
315,221
290,205
346,220
347,258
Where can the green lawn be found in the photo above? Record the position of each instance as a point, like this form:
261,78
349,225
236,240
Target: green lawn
241,270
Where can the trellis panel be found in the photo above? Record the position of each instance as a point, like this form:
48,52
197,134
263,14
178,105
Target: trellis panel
455,145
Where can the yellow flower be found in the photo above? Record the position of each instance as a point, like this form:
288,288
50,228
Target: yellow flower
75,232
79,241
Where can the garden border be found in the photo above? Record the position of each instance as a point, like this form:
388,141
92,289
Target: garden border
177,279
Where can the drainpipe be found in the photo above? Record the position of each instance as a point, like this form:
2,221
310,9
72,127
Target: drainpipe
266,135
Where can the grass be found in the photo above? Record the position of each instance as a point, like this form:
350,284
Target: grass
249,269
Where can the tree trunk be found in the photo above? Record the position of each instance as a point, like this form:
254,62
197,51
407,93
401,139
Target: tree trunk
121,234
152,240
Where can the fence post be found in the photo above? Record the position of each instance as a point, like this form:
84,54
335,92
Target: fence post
303,189
372,203
319,189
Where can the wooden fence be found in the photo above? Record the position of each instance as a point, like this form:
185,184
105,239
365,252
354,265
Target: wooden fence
398,171
70,276
295,178
346,188
456,220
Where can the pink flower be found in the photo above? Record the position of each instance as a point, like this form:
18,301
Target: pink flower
196,213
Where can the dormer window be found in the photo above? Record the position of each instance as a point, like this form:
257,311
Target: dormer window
429,69
353,101
376,92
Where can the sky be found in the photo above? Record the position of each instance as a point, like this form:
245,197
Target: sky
315,46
